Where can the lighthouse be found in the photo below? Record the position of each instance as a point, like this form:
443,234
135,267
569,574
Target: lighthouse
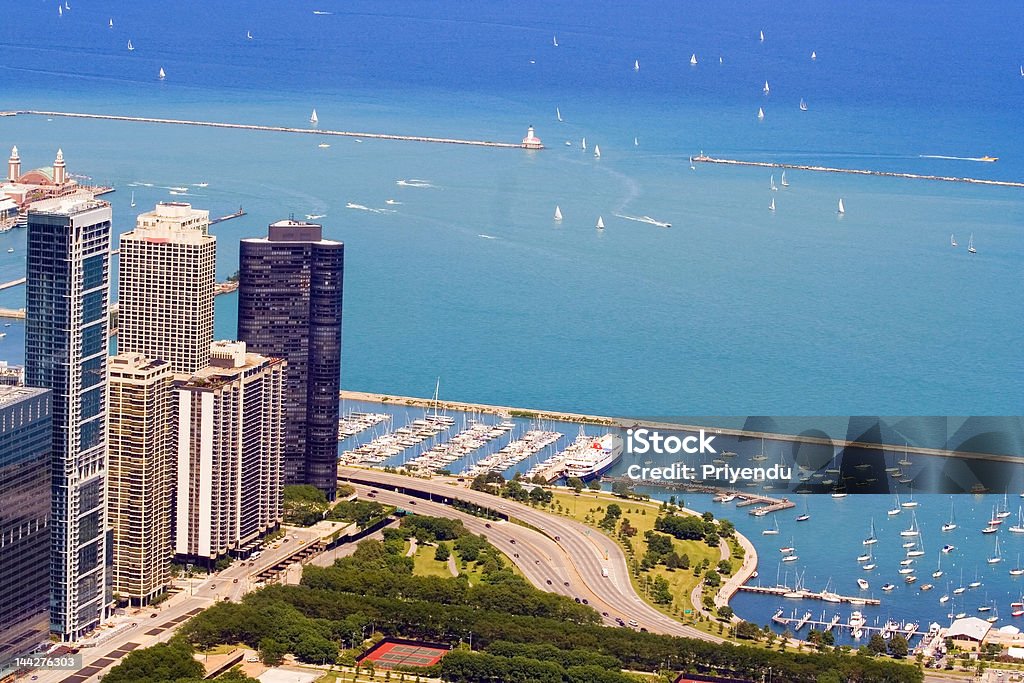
60,172
531,141
14,165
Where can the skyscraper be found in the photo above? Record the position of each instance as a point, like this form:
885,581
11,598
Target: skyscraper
290,306
138,478
165,287
66,332
229,438
25,435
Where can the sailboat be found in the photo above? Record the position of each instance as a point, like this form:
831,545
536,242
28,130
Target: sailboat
766,88
583,144
952,240
162,75
772,183
110,23
871,539
803,105
951,524
558,213
558,114
131,48
977,582
762,36
636,142
997,556
1004,510
938,568
898,509
760,114
910,503
1022,71
600,223
313,118
870,563
693,59
133,198
905,460
918,549
554,40
774,531
248,35
806,514
961,588
814,55
597,151
1017,570
842,209
785,183
760,457
970,245
1018,528
636,65
60,11
771,207
912,530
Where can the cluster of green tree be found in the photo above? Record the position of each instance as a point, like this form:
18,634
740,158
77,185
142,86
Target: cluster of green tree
577,485
460,666
896,646
166,662
661,551
369,588
362,513
692,528
515,490
304,505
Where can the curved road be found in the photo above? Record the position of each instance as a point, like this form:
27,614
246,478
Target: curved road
566,550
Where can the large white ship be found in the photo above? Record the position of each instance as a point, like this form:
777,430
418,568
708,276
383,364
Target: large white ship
593,456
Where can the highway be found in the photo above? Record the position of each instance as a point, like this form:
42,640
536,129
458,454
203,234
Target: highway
569,550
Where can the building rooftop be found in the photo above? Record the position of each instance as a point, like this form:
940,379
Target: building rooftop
969,627
68,205
291,230
12,394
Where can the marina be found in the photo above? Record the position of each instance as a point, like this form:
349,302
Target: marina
704,159
530,443
804,594
357,422
856,624
529,143
475,436
391,444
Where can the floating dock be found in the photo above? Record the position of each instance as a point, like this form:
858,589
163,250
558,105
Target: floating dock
804,594
704,159
270,129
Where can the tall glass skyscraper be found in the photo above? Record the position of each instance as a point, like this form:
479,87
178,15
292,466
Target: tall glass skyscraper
25,435
289,306
66,331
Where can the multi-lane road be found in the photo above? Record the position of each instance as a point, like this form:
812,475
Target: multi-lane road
555,549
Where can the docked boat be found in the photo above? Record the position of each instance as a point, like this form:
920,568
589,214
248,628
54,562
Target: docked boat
594,461
862,584
888,587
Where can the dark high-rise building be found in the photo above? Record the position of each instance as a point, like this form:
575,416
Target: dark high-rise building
289,306
66,331
25,434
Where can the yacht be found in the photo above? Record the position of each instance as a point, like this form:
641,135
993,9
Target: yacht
952,240
760,114
558,213
862,584
951,524
948,548
11,250
313,118
871,539
842,209
693,59
803,105
600,223
774,531
888,587
970,245
162,74
131,48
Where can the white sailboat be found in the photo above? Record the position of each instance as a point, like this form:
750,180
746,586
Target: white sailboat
597,151
248,35
133,198
871,539
762,36
771,206
1022,71
760,113
970,245
842,209
1017,570
898,509
110,23
313,118
162,75
803,105
760,457
583,144
636,65
938,568
554,40
1018,528
60,11
558,213
905,461
693,59
912,530
951,524
636,142
785,183
773,531
814,55
910,503
870,563
771,183
131,48
600,223
766,88
952,240
997,556
558,114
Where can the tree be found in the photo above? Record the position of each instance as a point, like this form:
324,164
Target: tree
594,485
442,553
877,644
725,612
575,483
712,578
745,630
272,652
725,567
898,647
621,489
162,662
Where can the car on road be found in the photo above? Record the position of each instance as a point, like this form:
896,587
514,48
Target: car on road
235,581
512,541
619,621
565,583
549,582
412,502
585,601
632,623
487,525
604,614
577,600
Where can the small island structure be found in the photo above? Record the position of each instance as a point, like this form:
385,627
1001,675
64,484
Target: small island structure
531,141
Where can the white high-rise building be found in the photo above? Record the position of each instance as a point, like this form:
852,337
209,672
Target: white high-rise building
139,433
230,436
166,287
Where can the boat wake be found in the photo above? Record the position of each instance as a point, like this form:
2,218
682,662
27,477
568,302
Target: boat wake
644,219
942,156
487,237
414,182
361,207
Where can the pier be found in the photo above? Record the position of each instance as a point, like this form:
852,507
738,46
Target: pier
804,594
236,214
857,629
269,129
704,159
